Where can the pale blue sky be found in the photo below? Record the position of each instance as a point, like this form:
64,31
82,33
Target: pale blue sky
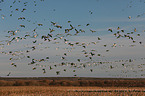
105,14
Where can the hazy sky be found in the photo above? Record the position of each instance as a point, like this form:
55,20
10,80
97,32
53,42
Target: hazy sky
123,58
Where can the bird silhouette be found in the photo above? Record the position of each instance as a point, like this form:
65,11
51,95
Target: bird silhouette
9,74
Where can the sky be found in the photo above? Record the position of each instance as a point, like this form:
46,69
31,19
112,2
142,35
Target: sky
112,57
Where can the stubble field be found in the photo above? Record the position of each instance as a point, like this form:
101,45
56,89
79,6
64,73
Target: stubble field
70,91
68,86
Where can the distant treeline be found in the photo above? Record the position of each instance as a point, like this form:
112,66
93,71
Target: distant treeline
97,83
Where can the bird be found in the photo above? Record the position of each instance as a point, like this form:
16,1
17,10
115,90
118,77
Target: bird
22,26
58,72
90,12
9,74
44,71
68,21
34,68
110,30
91,70
40,24
99,38
21,18
87,24
129,17
79,60
92,31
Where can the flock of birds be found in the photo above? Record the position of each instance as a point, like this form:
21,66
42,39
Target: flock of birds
53,37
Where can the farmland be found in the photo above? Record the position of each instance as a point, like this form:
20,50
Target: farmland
70,86
70,91
72,81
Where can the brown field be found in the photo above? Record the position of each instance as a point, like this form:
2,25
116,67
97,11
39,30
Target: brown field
70,86
73,81
70,91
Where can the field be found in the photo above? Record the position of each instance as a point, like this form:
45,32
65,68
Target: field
70,91
64,86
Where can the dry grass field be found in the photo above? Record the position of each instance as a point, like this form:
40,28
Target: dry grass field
63,86
70,91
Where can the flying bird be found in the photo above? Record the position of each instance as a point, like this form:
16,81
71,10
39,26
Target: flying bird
9,74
